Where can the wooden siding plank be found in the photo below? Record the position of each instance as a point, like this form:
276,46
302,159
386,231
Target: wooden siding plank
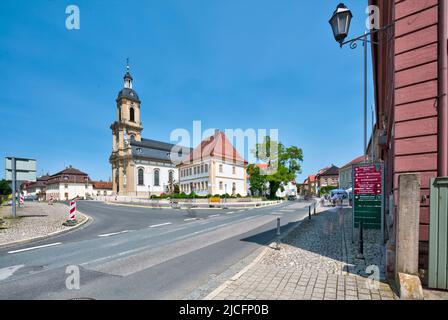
421,109
416,92
406,8
424,215
425,178
415,75
415,57
415,163
416,145
415,40
419,127
424,233
416,22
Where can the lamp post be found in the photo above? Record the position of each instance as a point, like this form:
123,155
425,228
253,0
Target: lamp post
340,24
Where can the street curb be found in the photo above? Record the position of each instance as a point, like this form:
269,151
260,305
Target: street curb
185,208
223,286
270,247
52,234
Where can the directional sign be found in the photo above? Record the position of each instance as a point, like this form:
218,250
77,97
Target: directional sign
25,169
368,195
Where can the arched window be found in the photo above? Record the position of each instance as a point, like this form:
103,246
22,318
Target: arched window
141,179
156,177
132,114
132,137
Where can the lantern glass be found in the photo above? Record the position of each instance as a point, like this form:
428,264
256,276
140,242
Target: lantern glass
340,22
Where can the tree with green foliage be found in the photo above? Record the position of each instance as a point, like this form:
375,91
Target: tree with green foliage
5,189
283,165
327,189
257,180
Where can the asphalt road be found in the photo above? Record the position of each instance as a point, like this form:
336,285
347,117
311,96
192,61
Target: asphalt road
140,253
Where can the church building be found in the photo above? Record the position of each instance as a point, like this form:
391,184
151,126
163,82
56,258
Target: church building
143,167
140,167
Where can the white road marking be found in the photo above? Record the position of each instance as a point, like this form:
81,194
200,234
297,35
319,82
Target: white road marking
230,212
161,225
38,247
113,234
287,210
5,273
191,219
240,210
214,216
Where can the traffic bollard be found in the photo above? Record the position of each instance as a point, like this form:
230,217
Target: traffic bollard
309,212
278,227
314,207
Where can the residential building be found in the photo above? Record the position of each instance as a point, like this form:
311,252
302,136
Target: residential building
213,167
101,188
327,177
68,184
36,188
140,167
410,79
310,186
345,173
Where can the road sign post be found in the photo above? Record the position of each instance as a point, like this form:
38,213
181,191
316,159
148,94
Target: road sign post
18,170
368,196
14,188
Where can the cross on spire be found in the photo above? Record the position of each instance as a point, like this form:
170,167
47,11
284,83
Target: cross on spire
127,64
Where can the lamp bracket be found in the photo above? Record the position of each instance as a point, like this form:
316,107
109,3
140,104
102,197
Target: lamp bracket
364,38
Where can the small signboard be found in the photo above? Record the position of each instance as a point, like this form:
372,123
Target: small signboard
368,200
25,169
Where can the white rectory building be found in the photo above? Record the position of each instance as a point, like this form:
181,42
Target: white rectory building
214,167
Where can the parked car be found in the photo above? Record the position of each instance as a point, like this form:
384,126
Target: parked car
31,197
292,198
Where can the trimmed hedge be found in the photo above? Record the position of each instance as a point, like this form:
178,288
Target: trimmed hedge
195,196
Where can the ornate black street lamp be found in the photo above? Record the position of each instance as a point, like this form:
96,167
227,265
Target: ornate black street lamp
340,24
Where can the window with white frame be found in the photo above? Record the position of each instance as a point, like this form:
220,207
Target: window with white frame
157,177
141,177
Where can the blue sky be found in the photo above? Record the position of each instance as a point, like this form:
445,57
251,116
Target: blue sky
230,64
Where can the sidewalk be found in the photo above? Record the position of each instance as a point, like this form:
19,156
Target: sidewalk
316,261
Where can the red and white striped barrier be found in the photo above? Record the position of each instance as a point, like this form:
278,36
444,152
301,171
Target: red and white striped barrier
22,199
72,211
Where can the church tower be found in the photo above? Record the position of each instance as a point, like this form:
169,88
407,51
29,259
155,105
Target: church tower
126,128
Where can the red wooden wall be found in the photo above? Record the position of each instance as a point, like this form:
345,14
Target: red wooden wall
415,99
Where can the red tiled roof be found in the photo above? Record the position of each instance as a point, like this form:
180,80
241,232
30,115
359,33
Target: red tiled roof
215,146
102,185
68,171
354,161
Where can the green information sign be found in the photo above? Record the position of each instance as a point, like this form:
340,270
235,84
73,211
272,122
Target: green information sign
368,196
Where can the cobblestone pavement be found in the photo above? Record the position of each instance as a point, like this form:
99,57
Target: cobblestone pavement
33,220
316,261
